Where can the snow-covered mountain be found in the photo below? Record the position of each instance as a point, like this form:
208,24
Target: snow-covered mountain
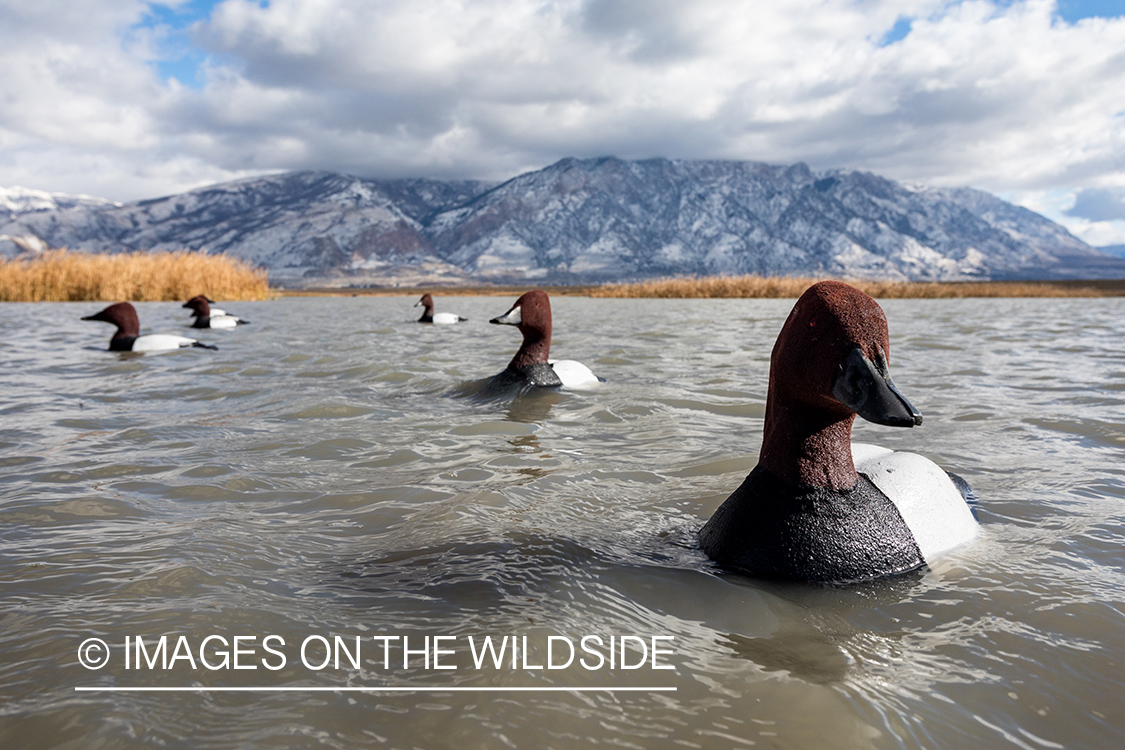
574,221
21,202
300,224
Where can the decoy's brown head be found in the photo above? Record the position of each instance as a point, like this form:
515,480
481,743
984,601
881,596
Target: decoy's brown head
532,314
123,315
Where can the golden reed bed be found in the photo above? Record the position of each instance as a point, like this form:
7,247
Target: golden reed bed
748,287
742,287
64,276
785,286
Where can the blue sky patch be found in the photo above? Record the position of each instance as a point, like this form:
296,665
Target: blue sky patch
179,57
898,32
1075,10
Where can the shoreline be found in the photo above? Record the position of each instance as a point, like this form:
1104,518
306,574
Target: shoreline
743,287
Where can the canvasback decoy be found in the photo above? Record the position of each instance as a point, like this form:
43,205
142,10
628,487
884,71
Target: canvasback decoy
210,317
816,507
127,338
532,314
441,318
211,303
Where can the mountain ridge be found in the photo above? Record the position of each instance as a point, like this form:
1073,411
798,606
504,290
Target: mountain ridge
575,221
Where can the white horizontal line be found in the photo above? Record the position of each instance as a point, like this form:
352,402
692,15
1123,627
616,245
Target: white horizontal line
397,689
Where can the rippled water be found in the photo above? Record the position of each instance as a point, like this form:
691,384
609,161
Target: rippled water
319,475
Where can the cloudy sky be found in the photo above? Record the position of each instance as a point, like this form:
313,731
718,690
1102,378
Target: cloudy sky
127,99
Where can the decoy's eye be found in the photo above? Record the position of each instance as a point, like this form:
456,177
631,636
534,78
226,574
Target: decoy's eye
812,323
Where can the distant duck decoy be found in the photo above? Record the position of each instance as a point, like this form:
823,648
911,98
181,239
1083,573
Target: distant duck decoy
531,366
210,317
211,303
429,316
127,338
816,507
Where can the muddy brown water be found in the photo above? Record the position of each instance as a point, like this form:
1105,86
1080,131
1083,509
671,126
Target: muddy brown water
324,480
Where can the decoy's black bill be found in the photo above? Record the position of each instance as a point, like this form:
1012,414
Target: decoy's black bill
866,388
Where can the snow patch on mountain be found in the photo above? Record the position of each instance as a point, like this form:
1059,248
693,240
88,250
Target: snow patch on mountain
576,221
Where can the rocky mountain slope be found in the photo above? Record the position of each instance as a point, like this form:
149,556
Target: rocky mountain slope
574,221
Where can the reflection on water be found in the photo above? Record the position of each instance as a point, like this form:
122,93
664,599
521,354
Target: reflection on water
336,471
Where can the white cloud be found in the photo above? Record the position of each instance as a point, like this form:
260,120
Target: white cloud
1097,233
1099,204
1004,98
1095,215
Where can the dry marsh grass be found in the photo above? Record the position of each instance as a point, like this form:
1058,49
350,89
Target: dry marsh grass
64,276
744,287
787,286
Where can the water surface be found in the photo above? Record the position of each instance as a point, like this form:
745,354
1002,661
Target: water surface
323,474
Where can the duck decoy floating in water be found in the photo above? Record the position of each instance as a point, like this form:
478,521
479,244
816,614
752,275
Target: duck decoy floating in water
441,318
817,507
127,338
210,317
531,313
